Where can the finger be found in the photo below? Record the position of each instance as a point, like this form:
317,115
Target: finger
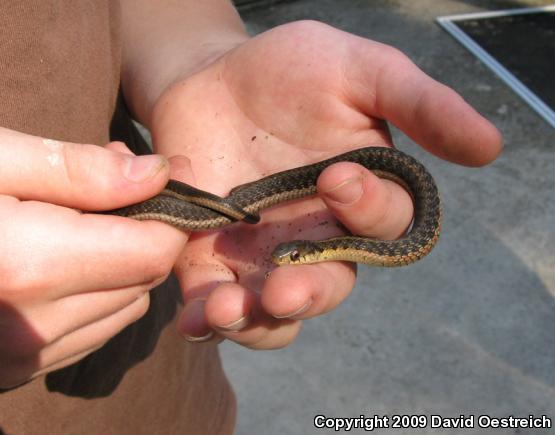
192,324
25,371
216,306
364,203
66,362
82,309
234,313
198,276
95,334
75,345
305,291
432,114
87,177
73,253
290,293
230,308
266,334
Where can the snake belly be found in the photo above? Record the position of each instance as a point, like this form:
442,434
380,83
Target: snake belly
188,208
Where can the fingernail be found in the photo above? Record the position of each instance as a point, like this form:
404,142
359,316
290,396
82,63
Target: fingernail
142,168
236,325
347,192
193,339
297,312
193,325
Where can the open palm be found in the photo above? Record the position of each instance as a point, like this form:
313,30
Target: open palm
289,97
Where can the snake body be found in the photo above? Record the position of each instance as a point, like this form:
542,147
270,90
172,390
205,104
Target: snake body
188,208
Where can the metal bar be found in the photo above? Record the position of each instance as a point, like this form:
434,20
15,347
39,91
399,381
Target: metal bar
520,88
493,14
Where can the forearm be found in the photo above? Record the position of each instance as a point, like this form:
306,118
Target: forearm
166,40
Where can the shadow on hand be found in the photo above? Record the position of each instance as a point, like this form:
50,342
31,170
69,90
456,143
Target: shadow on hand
250,247
18,335
99,374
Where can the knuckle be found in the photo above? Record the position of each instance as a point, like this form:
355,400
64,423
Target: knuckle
83,164
279,338
76,164
16,286
10,289
157,282
160,261
270,343
304,27
253,340
18,340
21,282
394,55
156,258
16,370
373,208
10,377
160,269
141,307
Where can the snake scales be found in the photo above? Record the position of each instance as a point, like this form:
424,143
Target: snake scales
188,208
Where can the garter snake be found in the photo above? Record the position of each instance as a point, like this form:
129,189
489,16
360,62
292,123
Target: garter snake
188,208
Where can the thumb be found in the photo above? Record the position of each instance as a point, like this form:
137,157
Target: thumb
364,203
87,177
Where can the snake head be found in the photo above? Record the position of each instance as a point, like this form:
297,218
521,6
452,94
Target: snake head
295,252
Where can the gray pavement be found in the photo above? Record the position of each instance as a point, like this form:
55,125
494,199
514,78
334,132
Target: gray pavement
470,330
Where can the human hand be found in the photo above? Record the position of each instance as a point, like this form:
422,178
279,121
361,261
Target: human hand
71,281
295,95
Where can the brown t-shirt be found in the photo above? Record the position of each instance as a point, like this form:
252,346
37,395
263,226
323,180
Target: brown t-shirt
59,78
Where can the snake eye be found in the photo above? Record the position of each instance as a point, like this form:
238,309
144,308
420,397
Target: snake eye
295,255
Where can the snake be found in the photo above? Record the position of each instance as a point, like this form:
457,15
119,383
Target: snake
191,209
